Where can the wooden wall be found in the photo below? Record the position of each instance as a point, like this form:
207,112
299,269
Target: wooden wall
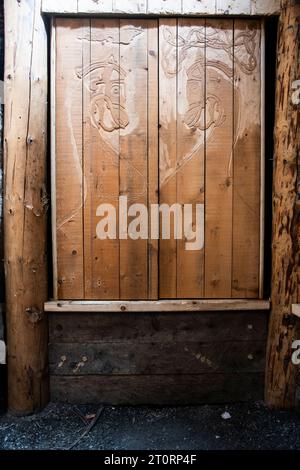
184,358
181,138
167,358
164,7
28,393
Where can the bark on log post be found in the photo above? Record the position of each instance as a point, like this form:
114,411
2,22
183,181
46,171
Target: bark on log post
25,204
281,373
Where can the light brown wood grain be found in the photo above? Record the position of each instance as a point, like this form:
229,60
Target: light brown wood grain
263,168
53,156
157,306
69,199
87,163
168,155
25,205
281,373
134,158
219,169
191,157
102,153
247,168
153,164
180,115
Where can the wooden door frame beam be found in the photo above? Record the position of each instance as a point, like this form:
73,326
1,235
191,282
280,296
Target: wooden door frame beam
25,214
281,374
163,7
159,306
25,205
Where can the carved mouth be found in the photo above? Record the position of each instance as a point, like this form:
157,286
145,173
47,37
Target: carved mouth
108,115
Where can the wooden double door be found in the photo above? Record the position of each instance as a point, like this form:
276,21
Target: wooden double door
157,111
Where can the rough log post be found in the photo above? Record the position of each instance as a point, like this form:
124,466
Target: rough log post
25,204
281,373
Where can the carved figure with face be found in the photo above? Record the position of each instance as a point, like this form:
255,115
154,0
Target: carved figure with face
108,98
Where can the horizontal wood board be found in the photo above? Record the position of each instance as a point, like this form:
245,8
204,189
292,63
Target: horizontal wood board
163,7
136,358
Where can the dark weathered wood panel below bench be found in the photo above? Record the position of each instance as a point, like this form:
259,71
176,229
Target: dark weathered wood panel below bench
154,327
157,389
156,358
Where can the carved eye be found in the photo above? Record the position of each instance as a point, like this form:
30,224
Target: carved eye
194,85
115,90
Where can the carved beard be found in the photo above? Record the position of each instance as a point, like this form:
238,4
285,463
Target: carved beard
107,114
200,114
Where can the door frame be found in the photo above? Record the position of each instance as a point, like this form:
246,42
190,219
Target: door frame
165,305
27,288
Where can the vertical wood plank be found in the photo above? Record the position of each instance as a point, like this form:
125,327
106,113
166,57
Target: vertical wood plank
281,373
53,158
262,162
219,164
247,159
134,155
101,156
153,168
190,150
25,205
168,150
87,170
69,160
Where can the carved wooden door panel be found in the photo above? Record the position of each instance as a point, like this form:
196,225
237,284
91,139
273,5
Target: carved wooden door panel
153,115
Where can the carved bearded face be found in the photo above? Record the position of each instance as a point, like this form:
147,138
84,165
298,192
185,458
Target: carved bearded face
106,82
200,114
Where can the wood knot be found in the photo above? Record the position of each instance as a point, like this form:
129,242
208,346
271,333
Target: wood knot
34,314
228,182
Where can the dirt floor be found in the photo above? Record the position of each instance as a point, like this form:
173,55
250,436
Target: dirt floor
248,426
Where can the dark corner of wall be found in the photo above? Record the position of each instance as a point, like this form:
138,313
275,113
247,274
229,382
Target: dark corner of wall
271,31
